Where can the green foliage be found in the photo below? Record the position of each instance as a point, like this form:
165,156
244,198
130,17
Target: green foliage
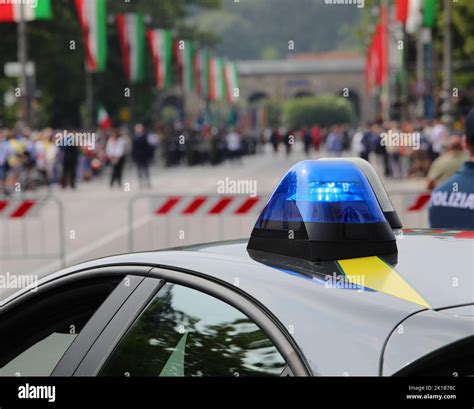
8,114
270,53
249,27
463,41
324,110
274,111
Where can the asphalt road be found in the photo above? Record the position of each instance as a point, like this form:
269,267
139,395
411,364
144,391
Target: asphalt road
96,217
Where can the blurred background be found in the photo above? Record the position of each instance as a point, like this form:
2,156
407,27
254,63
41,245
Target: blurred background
140,125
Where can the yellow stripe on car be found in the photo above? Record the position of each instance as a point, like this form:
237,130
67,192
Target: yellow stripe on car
374,273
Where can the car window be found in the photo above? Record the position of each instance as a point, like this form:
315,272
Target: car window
36,334
184,332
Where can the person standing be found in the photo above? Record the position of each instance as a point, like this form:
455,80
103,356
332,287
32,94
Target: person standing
306,135
115,152
70,161
142,154
234,145
4,150
437,137
452,203
366,142
334,142
447,164
275,140
289,141
316,137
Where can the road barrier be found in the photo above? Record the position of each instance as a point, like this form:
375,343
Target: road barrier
182,220
17,208
412,207
32,228
173,220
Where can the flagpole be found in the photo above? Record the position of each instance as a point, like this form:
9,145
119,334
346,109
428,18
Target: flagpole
89,98
132,104
428,58
23,59
386,90
447,106
420,73
404,80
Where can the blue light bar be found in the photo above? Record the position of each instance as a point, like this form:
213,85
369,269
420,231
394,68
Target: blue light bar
323,210
323,192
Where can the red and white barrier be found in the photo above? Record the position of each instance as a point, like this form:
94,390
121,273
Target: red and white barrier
207,205
420,202
18,208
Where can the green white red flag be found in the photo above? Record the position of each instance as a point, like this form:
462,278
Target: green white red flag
186,50
161,44
201,69
178,59
415,13
132,43
232,81
93,18
103,119
376,67
11,10
217,87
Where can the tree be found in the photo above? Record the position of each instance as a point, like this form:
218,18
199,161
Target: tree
249,27
325,110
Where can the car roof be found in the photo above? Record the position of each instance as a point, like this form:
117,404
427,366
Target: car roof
341,329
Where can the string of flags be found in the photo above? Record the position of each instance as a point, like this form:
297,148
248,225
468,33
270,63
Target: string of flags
413,15
10,11
93,18
212,78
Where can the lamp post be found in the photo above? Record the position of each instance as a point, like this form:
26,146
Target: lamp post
447,106
23,59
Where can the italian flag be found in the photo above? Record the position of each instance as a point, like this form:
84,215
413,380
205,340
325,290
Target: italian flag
416,13
376,66
217,85
201,67
178,57
103,118
93,19
132,42
186,49
232,80
10,10
161,44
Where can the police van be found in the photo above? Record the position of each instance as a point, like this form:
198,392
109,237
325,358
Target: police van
328,284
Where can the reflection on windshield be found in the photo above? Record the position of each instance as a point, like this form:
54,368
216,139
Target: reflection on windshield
187,333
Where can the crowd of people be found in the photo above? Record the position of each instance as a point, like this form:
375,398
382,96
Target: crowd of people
408,149
29,159
33,158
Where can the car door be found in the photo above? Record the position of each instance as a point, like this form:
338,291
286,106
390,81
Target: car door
49,330
432,342
182,324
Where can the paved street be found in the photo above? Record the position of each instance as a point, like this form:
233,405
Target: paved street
96,216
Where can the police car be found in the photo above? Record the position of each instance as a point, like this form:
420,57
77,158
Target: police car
327,285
